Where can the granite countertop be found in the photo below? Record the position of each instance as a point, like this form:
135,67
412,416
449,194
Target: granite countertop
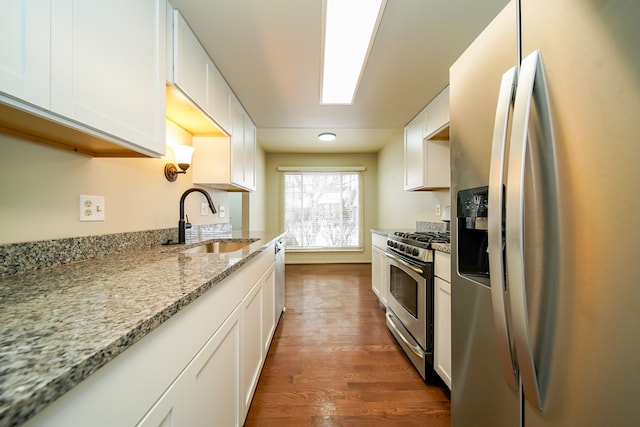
61,324
442,247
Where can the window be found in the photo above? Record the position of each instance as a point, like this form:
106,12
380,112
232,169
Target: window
322,210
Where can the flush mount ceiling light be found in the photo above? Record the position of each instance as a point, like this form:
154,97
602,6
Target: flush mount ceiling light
349,30
183,155
327,136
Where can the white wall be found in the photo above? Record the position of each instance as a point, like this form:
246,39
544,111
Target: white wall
40,187
398,208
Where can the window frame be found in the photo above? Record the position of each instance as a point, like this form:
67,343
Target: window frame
356,170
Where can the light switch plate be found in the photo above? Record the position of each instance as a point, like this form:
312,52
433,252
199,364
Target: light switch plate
221,211
204,209
92,208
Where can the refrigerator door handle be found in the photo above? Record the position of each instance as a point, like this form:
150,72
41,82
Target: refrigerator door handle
495,233
531,78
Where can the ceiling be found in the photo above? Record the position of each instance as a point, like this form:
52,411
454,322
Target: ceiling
269,53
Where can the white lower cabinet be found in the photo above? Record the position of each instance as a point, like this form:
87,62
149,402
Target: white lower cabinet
442,316
213,379
170,410
251,343
379,267
199,368
207,393
258,325
269,309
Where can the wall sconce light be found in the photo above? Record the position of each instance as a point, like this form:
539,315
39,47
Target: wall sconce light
183,159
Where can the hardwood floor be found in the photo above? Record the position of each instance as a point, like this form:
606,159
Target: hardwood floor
334,363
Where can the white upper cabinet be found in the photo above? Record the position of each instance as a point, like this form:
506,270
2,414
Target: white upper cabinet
249,154
189,63
437,120
426,147
25,55
237,143
96,68
224,134
414,155
195,75
227,163
219,97
108,67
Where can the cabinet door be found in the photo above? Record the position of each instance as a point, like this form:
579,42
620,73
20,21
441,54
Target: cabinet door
237,143
442,317
25,52
437,114
268,309
170,410
190,63
379,274
249,154
108,68
251,343
213,379
414,154
219,97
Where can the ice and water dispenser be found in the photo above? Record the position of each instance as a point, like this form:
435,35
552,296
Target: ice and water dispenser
473,259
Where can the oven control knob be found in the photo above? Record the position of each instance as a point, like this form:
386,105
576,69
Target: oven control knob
401,247
408,249
415,252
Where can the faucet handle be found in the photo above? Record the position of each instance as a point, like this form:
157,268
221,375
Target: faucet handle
187,224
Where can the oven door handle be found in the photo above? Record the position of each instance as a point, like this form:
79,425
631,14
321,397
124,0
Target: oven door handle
406,264
414,348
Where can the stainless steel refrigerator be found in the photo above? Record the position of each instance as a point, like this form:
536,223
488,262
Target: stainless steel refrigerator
545,152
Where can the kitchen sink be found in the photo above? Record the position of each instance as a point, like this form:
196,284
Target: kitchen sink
220,246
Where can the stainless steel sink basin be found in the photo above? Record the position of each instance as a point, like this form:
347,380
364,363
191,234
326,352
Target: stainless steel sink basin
220,246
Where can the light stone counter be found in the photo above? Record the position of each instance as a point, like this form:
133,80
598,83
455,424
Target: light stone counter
58,325
442,247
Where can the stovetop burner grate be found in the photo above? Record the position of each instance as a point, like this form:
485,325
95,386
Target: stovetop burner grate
425,236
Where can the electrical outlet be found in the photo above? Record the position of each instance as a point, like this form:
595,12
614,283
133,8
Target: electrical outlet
204,209
221,211
92,208
438,209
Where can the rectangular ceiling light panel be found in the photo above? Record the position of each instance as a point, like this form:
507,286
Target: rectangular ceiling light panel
349,31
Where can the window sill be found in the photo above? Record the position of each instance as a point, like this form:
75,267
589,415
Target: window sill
325,250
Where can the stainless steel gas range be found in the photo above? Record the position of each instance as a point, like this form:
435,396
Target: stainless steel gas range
410,295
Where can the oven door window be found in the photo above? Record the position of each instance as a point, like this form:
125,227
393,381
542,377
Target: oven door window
404,289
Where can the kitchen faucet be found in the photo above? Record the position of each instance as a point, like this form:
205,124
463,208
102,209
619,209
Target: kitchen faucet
181,223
